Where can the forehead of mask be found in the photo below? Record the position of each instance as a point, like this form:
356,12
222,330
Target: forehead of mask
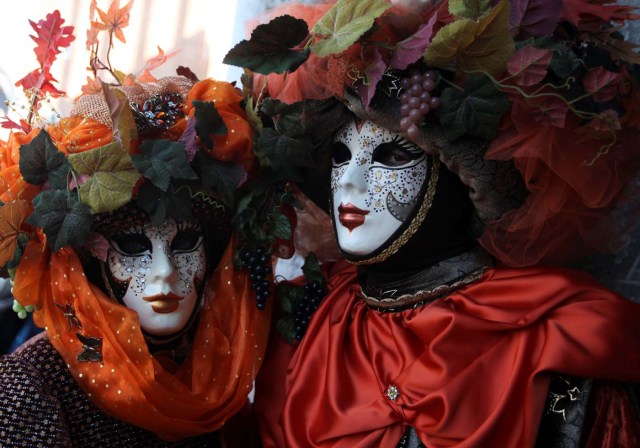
376,181
157,271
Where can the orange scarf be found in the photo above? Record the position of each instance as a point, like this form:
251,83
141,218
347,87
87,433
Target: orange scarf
131,384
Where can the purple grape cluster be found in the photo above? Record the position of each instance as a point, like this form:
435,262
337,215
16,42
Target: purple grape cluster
417,101
258,261
314,292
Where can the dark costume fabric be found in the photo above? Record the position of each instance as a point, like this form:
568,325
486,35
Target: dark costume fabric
42,406
468,370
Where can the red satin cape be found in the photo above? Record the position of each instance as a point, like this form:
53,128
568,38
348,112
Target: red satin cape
470,369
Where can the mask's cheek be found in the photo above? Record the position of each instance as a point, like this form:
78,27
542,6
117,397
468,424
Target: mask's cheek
132,270
191,268
336,175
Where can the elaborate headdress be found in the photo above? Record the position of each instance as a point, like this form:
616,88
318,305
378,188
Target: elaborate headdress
172,147
532,104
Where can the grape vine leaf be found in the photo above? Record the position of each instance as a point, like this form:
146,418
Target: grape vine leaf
63,218
111,177
282,150
279,226
208,121
12,214
413,47
162,160
159,204
345,23
270,48
224,177
469,9
483,45
529,65
475,111
534,18
40,161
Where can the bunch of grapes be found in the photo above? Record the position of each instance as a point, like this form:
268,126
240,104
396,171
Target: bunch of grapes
258,262
314,292
417,101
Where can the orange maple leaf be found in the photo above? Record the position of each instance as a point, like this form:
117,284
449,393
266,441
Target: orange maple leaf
154,63
12,214
93,86
115,19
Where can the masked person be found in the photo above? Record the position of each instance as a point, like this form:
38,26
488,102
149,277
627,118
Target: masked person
459,327
152,335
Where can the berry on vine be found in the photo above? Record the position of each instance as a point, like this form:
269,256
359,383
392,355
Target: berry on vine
417,100
258,262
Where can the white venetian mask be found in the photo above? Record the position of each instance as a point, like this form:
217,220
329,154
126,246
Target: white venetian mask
376,180
162,269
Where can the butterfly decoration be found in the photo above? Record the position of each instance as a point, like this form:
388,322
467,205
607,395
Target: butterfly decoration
90,349
70,314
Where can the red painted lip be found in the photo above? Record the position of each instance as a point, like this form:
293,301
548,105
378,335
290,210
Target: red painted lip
351,216
164,303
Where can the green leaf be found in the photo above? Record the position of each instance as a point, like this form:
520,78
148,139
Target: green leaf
111,180
345,23
63,218
469,9
484,45
286,328
163,160
160,204
224,177
282,150
476,111
208,121
311,269
289,296
288,117
269,50
40,161
279,226
564,61
244,202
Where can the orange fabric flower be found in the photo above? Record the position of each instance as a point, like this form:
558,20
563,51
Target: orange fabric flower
78,134
12,185
131,384
236,146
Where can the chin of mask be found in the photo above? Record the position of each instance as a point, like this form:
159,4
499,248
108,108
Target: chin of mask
159,271
376,181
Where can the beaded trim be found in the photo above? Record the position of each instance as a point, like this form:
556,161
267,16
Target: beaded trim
420,298
415,224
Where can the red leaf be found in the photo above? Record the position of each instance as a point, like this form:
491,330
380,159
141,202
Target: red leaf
8,123
373,72
606,121
50,37
529,65
412,48
589,15
42,81
602,83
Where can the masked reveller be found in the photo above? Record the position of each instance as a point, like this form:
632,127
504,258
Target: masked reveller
152,336
459,326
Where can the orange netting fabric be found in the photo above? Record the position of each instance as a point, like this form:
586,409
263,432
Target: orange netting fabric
129,383
574,187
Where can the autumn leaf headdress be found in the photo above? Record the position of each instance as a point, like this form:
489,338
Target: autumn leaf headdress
549,88
167,145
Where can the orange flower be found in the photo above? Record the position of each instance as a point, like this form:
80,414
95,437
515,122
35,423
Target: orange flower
12,185
78,134
236,146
